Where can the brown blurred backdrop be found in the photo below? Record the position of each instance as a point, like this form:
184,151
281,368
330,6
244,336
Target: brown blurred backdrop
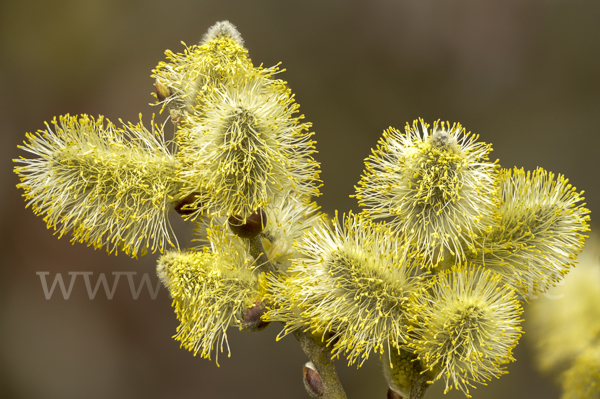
524,75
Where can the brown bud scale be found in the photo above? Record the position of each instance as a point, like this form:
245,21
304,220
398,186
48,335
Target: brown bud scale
391,394
162,92
183,206
312,382
252,318
253,226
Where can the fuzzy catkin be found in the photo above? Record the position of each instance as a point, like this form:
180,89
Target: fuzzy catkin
353,283
539,234
436,184
465,327
109,187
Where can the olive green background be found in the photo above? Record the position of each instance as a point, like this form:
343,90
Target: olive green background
524,75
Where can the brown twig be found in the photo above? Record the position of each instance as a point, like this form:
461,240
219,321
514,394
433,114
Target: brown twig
320,356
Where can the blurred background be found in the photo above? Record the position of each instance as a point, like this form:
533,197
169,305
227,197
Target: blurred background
524,75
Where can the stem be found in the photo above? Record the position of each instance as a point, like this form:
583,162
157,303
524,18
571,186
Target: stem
258,252
420,381
320,356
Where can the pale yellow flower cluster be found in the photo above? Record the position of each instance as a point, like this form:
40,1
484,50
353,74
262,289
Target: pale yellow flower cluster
210,291
466,327
352,284
486,237
110,187
241,142
435,183
434,286
438,284
240,149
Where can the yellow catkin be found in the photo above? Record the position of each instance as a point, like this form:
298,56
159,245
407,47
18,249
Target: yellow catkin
539,233
240,138
465,327
436,184
210,291
245,148
110,187
352,282
201,68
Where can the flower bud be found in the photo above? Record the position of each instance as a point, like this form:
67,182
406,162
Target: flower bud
312,381
252,320
162,91
391,394
222,30
184,205
251,227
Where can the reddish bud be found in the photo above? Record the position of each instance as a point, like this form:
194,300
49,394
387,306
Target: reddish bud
184,205
312,381
252,318
162,91
393,394
253,226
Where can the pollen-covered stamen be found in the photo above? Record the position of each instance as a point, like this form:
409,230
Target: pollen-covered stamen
363,282
200,68
437,169
244,162
211,291
465,321
436,176
241,122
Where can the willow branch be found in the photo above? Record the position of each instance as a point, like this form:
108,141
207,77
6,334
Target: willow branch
320,356
258,252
